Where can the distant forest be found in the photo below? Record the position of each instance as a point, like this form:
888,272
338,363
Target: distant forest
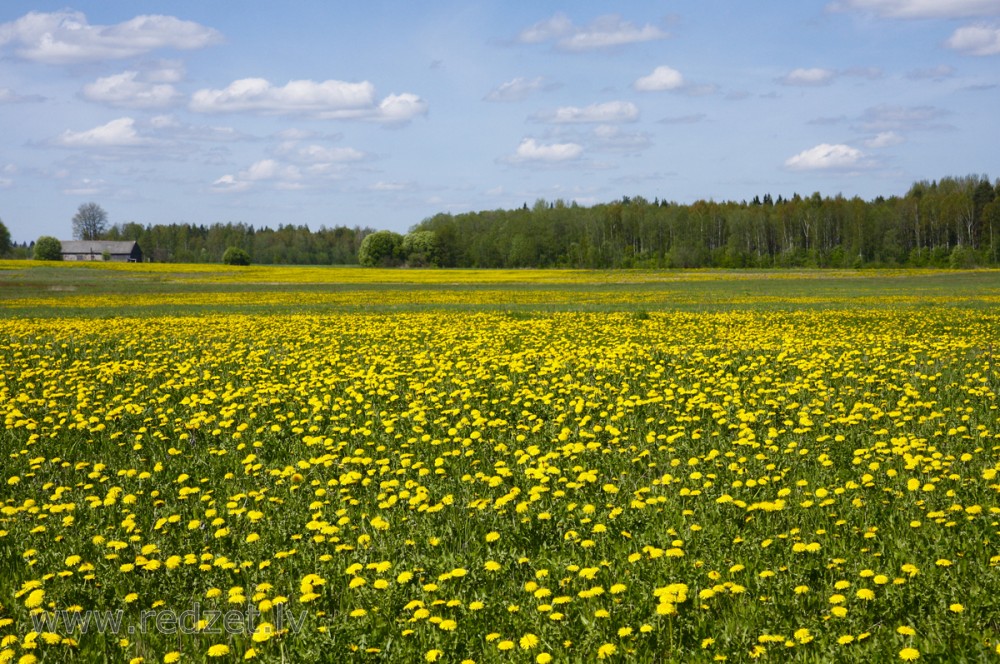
951,222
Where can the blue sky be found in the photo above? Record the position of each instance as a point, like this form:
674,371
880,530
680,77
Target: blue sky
383,113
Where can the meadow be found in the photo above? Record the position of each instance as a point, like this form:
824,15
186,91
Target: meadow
498,466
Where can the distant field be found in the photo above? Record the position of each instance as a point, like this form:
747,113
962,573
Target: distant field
33,288
497,466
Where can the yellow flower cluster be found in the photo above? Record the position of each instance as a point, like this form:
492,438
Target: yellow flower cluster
460,485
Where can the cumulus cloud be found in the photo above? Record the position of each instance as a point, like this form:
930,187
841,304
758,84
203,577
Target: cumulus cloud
396,109
516,89
115,134
921,8
884,139
131,90
976,40
268,171
604,32
826,157
66,37
662,78
531,150
326,100
612,111
808,77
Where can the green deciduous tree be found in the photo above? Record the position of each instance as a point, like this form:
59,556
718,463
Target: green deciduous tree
235,256
380,249
48,248
419,248
4,239
90,222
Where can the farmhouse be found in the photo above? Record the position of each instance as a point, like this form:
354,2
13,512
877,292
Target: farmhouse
99,250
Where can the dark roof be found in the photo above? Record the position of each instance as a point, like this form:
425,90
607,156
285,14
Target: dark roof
96,247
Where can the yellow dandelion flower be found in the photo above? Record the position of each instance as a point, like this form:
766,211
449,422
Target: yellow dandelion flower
607,650
35,598
528,641
218,650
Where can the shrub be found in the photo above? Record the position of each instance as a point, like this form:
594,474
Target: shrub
236,256
48,248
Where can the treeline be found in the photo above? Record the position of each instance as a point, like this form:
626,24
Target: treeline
288,244
952,222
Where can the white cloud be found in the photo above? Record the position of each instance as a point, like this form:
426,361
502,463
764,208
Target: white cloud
556,27
922,8
662,78
86,187
604,32
826,157
612,139
117,133
885,139
396,109
164,122
229,184
328,100
516,89
127,90
976,40
257,94
808,77
611,111
165,71
65,37
531,150
170,127
318,154
269,171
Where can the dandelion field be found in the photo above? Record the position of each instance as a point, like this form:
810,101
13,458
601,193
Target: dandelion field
499,466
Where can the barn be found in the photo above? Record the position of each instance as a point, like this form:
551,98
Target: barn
100,250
